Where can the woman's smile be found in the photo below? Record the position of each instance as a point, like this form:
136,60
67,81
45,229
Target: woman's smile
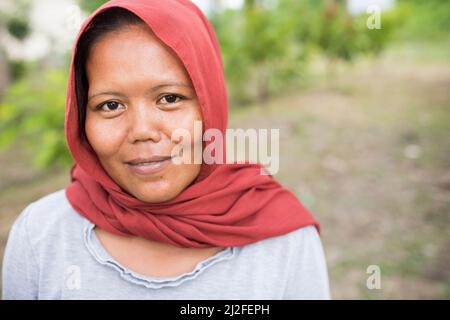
147,166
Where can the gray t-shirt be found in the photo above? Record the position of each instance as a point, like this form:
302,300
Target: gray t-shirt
53,253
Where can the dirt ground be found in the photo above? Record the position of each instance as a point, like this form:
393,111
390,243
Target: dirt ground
368,153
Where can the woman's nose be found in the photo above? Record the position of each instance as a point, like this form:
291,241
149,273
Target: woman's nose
144,123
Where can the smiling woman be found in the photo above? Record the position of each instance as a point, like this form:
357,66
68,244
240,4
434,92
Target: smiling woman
132,223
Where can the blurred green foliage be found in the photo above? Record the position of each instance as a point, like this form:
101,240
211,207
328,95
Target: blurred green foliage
90,5
33,110
424,19
259,50
265,49
18,28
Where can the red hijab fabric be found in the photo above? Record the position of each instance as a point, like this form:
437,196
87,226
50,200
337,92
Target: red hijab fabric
227,204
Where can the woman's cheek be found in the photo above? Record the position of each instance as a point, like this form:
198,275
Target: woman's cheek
186,121
105,136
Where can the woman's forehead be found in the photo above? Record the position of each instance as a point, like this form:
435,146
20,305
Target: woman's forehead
134,52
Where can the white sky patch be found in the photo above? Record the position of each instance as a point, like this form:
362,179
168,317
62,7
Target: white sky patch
234,4
204,5
53,27
360,6
208,5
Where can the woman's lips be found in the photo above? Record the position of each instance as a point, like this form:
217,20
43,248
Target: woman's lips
150,167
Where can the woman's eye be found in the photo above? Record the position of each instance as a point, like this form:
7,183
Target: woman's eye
170,98
110,106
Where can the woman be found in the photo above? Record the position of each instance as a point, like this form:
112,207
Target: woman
133,224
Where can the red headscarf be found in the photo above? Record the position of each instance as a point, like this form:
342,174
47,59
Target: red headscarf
228,204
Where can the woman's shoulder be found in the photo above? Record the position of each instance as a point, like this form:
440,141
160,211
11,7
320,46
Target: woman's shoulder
300,260
47,217
286,248
35,241
303,233
303,236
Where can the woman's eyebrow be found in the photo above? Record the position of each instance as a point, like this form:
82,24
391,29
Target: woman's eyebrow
109,93
158,87
174,84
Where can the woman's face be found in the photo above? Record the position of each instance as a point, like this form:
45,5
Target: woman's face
139,93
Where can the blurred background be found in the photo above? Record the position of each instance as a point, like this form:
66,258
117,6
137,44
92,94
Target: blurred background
360,93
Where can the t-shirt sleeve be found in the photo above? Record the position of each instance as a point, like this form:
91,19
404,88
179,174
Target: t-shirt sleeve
20,270
308,278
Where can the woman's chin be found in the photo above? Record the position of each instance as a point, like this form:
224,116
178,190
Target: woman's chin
154,192
158,188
